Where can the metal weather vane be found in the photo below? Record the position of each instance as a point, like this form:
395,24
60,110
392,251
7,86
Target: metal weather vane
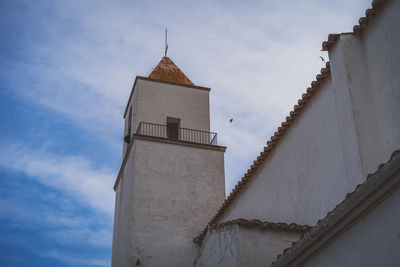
166,43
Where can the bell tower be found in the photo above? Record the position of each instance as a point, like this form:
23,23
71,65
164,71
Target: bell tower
171,180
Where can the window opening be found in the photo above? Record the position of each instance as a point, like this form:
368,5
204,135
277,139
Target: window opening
173,127
127,137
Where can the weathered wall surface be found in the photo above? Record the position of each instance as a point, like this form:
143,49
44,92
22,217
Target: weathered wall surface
381,41
156,101
296,181
373,241
123,213
169,192
240,246
354,100
133,121
366,72
347,130
260,247
220,248
153,102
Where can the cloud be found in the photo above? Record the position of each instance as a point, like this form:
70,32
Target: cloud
79,59
38,218
73,175
74,259
85,236
56,223
258,57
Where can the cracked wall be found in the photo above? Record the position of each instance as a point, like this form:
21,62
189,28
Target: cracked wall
239,246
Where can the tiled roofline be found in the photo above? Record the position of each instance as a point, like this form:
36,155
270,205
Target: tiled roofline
377,187
167,70
160,81
271,144
259,224
363,22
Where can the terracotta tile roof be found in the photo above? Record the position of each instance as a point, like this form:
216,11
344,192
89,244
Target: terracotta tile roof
352,201
259,224
271,144
167,71
369,13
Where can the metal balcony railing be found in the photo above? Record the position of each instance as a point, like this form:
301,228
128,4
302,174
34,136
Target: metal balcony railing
176,133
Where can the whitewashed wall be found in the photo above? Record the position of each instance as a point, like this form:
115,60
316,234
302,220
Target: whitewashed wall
156,101
238,246
349,128
373,241
132,105
220,248
122,222
167,194
307,175
366,67
381,41
153,102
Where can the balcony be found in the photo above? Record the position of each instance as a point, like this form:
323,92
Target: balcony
176,133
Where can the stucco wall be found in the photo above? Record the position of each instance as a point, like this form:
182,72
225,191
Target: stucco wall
365,68
122,223
234,246
165,198
156,101
344,133
153,102
373,241
295,184
220,248
381,41
355,102
132,105
260,247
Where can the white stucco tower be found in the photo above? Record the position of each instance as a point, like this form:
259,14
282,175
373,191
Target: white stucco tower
172,176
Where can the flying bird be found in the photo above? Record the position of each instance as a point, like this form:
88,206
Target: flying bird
323,60
230,121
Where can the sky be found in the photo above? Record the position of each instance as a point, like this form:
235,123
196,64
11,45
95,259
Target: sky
66,71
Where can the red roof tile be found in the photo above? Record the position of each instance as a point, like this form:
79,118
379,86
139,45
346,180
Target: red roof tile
257,223
315,85
352,201
274,140
369,13
167,71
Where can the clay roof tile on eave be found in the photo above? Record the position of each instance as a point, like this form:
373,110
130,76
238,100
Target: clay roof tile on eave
257,224
362,23
353,198
308,96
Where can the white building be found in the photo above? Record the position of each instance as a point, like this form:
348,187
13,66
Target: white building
170,189
343,127
172,176
361,231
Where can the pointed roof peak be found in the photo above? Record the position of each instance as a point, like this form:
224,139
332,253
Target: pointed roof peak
167,71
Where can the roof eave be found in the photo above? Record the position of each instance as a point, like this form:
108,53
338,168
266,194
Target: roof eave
356,205
272,143
362,24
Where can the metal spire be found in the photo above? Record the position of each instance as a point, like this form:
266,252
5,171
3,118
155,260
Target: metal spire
166,43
